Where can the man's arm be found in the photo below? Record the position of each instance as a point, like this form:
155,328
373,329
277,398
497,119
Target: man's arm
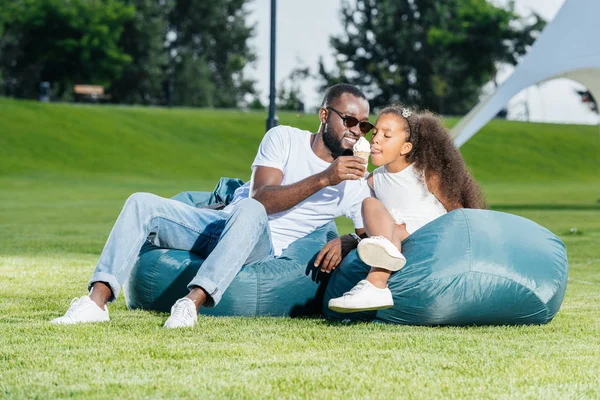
266,187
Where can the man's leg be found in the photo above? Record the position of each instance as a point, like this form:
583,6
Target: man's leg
245,239
175,224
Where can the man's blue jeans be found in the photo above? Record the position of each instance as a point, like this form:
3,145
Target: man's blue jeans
227,240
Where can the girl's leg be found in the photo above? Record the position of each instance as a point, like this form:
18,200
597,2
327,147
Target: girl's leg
372,293
379,276
379,222
377,219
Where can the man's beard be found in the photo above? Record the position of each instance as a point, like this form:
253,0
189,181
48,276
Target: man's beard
334,146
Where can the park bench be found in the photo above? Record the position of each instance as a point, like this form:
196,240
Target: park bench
90,93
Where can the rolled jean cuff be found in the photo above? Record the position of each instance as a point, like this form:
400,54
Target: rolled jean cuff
110,280
214,294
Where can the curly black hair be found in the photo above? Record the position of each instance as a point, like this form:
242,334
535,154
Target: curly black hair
434,153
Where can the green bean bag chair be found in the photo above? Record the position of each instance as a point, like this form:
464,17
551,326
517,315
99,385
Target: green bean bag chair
468,267
285,286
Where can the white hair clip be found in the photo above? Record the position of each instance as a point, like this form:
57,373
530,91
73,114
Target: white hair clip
406,112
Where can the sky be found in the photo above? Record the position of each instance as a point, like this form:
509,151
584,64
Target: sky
303,32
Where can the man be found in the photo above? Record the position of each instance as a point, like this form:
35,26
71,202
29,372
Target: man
299,182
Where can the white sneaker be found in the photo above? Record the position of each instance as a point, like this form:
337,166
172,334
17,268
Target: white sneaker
362,297
83,310
183,314
379,252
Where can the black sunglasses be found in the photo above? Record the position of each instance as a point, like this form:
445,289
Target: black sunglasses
349,122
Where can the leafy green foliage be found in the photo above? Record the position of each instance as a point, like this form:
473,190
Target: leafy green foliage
428,53
211,52
142,80
122,45
289,95
62,42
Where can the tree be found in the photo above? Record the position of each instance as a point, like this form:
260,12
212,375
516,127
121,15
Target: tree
212,51
289,96
143,39
193,81
122,45
427,53
256,104
61,42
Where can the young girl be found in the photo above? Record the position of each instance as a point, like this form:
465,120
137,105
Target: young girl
421,176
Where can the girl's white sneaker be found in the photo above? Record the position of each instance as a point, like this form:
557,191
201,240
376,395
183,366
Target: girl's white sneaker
362,297
379,252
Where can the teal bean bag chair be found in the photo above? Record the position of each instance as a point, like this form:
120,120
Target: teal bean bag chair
468,267
285,286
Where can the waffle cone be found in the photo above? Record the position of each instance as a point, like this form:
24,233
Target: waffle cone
363,154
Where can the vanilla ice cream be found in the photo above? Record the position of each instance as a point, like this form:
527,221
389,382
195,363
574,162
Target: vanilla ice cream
362,149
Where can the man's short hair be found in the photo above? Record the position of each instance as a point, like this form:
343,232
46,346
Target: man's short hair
339,89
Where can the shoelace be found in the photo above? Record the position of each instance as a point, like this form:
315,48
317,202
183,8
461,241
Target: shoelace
356,288
74,304
182,312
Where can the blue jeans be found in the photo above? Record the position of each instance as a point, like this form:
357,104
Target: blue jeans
227,240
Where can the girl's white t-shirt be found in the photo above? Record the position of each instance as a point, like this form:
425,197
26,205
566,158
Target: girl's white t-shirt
406,197
288,149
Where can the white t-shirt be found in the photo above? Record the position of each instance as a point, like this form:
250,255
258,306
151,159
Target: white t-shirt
288,149
406,196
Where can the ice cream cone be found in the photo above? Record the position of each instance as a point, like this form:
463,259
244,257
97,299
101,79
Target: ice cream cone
364,155
362,149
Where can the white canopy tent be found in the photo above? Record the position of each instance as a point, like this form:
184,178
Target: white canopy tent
569,47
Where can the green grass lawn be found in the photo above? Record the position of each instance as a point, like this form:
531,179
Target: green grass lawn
65,172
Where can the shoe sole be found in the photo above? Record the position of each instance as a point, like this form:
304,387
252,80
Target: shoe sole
353,310
376,256
79,322
178,327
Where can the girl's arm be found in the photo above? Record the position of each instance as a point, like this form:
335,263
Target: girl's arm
370,183
433,184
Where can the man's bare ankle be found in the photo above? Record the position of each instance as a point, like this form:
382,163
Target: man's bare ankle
198,296
99,302
100,294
